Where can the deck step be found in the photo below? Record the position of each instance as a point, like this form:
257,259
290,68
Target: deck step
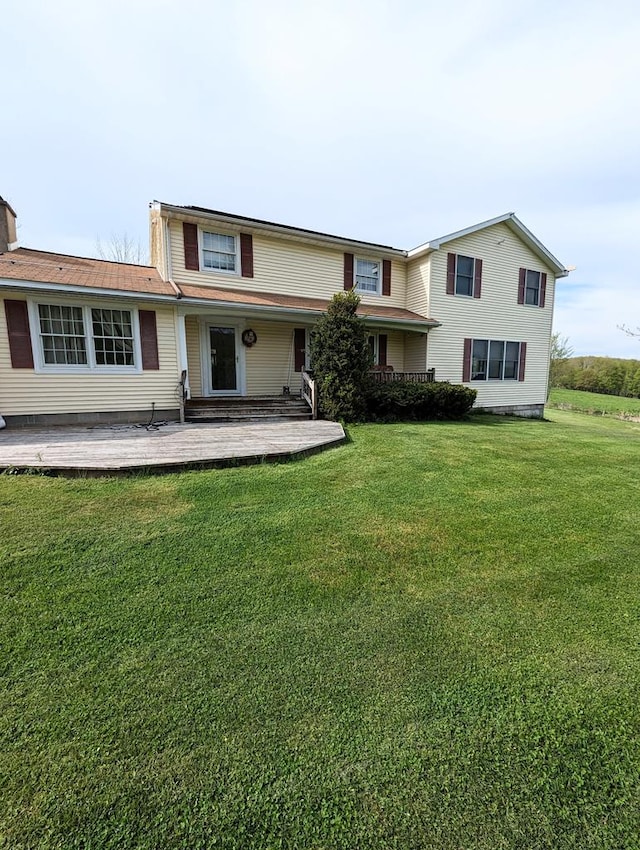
248,408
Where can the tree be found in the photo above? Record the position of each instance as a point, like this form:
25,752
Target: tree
630,332
560,352
122,248
341,359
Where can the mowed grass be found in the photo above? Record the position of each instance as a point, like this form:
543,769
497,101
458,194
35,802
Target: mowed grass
612,405
427,638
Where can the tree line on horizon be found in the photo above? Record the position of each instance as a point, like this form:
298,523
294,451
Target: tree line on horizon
607,375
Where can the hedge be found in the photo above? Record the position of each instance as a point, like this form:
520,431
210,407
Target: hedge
404,400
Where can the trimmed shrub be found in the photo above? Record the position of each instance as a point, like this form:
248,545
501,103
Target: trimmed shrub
403,400
341,359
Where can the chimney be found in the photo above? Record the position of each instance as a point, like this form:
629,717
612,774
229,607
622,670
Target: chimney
8,238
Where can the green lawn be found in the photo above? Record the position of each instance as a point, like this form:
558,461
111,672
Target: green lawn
427,638
614,405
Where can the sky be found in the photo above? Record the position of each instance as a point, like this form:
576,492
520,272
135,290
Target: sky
390,121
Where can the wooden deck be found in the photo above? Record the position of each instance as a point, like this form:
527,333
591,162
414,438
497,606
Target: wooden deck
114,450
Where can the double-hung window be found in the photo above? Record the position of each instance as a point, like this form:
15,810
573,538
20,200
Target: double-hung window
532,288
495,360
83,336
219,252
367,275
464,275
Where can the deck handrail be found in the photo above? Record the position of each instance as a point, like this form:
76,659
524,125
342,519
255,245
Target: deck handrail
388,376
309,393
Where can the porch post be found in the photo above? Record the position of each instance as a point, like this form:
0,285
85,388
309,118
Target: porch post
181,332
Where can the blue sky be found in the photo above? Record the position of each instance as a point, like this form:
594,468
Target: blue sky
384,120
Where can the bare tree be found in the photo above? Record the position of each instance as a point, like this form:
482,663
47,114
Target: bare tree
630,332
123,249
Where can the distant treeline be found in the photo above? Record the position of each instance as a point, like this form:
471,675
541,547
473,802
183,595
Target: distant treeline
609,375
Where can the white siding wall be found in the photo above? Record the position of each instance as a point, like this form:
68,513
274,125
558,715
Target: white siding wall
29,392
287,267
496,315
194,359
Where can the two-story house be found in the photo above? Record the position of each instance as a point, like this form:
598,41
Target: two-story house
227,306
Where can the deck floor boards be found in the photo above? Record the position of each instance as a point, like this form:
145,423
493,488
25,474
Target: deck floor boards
117,449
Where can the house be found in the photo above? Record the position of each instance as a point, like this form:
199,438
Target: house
226,308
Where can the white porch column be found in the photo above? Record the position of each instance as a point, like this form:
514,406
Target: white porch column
183,365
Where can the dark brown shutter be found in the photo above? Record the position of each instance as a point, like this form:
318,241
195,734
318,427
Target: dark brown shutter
148,339
191,256
386,277
451,274
543,288
382,349
521,283
348,271
299,345
20,349
466,361
246,254
477,279
523,360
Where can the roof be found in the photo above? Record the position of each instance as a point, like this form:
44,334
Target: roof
28,265
513,223
299,304
275,227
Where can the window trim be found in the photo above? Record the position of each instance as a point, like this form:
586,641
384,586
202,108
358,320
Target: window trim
486,378
201,249
378,262
91,366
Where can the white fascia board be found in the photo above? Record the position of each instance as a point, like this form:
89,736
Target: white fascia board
68,289
286,231
513,223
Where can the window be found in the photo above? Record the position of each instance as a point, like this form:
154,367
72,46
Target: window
367,275
62,335
495,360
88,337
532,288
219,252
112,337
464,275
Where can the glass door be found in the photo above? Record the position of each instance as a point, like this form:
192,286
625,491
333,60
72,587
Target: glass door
224,360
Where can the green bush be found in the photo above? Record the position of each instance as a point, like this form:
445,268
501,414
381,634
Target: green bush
403,400
341,359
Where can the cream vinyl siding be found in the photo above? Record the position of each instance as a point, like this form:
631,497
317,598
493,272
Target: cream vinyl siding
286,267
496,315
270,362
194,357
27,392
418,286
415,352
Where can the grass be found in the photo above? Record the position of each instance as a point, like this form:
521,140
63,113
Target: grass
425,639
605,405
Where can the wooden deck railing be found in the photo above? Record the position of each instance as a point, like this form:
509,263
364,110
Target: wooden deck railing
387,376
309,393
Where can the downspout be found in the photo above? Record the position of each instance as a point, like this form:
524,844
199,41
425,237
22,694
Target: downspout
185,392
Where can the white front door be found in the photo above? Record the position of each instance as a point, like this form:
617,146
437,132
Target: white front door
223,366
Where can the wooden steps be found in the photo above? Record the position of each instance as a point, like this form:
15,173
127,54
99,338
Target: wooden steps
246,409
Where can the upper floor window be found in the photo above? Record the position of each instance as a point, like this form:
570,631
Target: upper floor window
219,252
532,288
367,275
464,275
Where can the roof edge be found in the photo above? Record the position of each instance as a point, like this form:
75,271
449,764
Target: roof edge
275,227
